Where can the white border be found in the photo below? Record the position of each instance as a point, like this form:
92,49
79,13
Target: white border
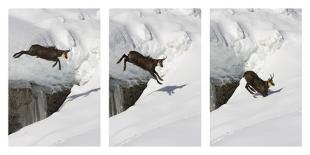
104,7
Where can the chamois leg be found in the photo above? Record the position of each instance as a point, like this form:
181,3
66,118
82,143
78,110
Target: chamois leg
55,63
153,74
59,64
158,76
247,87
125,64
251,88
124,56
18,54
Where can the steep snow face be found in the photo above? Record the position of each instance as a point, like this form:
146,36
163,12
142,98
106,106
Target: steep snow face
161,110
266,41
71,28
78,120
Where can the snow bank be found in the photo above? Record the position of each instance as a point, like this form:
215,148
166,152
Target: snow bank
161,109
266,41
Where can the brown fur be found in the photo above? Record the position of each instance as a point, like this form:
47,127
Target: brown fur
146,63
47,53
254,83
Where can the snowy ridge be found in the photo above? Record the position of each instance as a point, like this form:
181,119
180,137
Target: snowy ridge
161,109
275,119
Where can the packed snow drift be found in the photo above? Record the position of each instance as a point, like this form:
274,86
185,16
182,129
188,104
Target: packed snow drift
167,114
265,41
78,121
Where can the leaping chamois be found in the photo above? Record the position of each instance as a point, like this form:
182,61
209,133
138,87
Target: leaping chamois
256,84
146,63
47,53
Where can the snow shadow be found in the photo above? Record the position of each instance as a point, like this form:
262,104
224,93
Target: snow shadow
169,89
270,92
82,94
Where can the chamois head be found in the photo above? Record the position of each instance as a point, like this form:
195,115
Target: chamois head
160,62
65,53
270,80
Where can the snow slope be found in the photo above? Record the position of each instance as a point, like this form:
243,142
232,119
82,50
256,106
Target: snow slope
167,114
78,120
275,39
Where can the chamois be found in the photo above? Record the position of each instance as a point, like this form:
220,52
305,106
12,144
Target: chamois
47,53
256,84
146,63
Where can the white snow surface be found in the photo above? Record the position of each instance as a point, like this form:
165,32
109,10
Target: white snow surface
167,114
77,123
266,41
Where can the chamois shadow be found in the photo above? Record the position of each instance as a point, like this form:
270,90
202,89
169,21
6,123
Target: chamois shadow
270,92
276,91
169,89
82,94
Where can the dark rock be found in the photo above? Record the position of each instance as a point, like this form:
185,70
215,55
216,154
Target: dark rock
30,102
19,103
55,100
220,94
131,94
124,95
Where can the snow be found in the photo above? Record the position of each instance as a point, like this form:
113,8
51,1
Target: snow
78,120
167,114
166,135
275,37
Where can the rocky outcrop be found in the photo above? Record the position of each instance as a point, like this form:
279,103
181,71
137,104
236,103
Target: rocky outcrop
123,95
30,102
220,93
